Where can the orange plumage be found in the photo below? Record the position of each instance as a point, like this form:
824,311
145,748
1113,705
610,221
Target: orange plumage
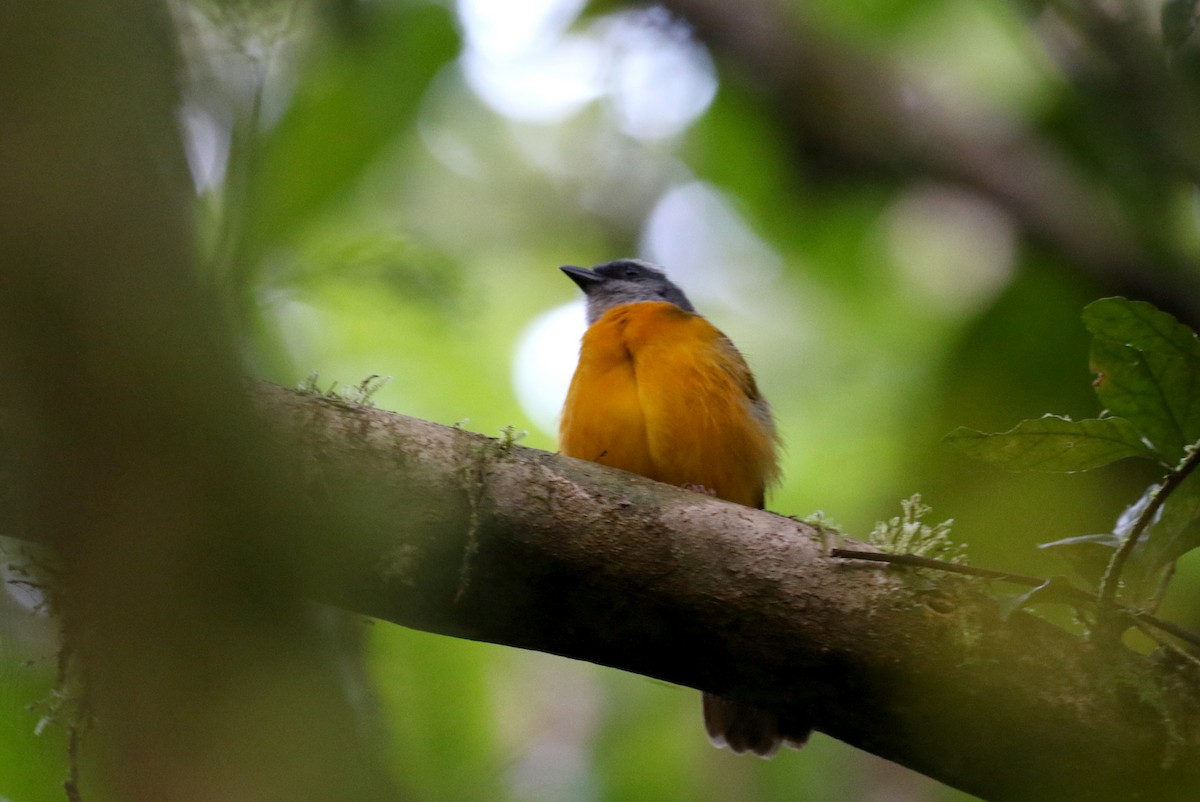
660,392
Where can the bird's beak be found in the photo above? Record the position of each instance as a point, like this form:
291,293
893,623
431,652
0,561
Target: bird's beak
582,276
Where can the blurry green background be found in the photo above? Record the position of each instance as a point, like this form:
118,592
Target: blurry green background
389,187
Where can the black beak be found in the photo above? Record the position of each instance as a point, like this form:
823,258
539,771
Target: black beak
585,278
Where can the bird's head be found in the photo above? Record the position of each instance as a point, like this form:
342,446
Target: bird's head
625,281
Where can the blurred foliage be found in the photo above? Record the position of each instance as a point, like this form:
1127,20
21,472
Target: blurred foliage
1146,366
32,758
369,206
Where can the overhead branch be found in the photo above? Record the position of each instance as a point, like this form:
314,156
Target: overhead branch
482,539
857,108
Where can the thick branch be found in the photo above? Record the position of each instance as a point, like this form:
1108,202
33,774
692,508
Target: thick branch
471,538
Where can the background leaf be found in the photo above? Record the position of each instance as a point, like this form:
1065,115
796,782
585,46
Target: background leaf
1147,368
1087,555
1176,530
352,104
1173,533
1054,444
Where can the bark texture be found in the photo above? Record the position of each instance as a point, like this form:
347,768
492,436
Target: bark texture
471,537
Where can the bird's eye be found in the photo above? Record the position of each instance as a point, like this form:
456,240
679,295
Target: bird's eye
630,272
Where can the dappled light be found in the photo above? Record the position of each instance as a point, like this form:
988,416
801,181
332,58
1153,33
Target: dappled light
955,250
523,62
543,362
898,210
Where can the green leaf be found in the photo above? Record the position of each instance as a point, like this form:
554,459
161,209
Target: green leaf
1147,368
1174,531
1055,590
1177,529
1054,444
1087,555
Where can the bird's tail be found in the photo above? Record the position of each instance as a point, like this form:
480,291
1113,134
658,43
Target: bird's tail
744,728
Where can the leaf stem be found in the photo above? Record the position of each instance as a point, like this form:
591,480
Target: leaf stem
1112,573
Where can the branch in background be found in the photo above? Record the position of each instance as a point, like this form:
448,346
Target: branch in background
856,107
482,539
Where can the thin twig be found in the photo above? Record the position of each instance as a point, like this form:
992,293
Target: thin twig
71,784
940,565
1163,643
1070,591
1112,573
1161,624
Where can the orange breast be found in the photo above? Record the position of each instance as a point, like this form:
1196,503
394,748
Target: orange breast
661,392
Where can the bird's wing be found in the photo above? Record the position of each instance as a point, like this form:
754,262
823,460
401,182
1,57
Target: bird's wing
735,365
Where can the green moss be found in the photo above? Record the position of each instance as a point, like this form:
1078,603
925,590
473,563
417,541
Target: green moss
907,533
354,395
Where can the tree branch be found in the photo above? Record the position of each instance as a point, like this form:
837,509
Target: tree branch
859,110
471,537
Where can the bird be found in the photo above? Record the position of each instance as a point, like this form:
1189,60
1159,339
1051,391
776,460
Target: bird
661,392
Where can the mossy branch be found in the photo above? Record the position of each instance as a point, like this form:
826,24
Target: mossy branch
575,559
